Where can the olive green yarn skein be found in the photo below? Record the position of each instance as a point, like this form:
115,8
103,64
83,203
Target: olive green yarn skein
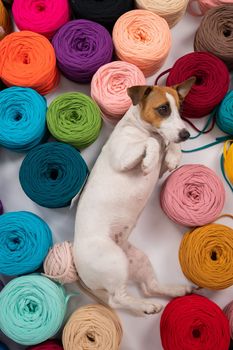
74,118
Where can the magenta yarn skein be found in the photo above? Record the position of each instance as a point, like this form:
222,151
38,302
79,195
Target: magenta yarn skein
81,48
193,195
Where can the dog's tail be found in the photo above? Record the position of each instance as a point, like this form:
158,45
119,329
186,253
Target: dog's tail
82,286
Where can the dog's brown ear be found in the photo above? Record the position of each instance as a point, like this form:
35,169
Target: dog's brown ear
184,88
137,93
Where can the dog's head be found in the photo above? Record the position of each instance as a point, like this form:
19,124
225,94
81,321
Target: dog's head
159,108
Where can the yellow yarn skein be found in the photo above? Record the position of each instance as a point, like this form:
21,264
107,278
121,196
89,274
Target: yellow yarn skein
206,256
228,159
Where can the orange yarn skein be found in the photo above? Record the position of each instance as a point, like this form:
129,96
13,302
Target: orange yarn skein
28,59
5,21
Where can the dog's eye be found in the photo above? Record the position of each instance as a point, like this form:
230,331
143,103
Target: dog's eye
164,110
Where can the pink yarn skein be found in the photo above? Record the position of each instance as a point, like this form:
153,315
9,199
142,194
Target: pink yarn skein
205,5
228,311
193,195
109,88
44,17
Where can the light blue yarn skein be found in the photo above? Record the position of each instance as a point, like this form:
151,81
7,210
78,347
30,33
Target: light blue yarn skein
25,240
224,115
22,118
32,309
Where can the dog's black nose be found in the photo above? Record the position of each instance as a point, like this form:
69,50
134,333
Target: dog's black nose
184,135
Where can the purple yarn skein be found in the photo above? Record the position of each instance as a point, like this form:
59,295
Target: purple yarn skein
1,208
81,48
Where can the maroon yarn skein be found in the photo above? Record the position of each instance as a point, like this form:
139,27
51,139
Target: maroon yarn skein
211,85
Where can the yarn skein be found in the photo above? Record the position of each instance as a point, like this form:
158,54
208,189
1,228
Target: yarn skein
44,17
205,5
171,10
32,309
214,34
5,21
22,117
28,59
74,118
82,47
228,162
47,345
53,174
3,346
105,12
142,38
206,256
109,88
193,195
25,240
59,264
224,114
92,327
1,208
228,311
194,322
212,82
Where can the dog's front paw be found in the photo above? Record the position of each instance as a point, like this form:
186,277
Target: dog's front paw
172,161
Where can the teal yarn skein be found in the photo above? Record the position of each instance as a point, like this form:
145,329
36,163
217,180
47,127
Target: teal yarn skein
25,240
224,114
52,174
32,309
22,118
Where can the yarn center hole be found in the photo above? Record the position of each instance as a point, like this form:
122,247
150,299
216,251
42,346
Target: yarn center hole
17,117
26,59
196,333
227,33
40,7
91,338
53,174
31,307
199,81
213,255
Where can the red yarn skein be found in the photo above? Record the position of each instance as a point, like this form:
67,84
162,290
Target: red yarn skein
211,85
194,322
47,345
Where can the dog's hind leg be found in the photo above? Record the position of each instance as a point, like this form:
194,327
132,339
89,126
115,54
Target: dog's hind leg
142,272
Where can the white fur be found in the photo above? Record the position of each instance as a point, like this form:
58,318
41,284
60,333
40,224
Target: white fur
117,191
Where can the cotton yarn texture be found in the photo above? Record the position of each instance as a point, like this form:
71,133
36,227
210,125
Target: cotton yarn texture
32,309
211,85
25,240
3,346
228,160
28,59
82,47
74,118
142,38
44,17
104,12
224,114
22,118
215,33
109,88
194,322
92,327
47,345
206,256
193,195
53,174
228,311
205,5
171,10
5,21
59,264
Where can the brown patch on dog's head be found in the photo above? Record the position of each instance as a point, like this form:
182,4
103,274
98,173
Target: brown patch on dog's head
153,100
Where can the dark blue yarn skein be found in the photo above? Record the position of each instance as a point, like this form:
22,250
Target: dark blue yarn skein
25,240
53,174
3,346
22,118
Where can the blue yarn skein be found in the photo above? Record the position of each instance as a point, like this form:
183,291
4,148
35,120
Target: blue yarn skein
224,115
22,118
25,240
3,346
52,174
32,309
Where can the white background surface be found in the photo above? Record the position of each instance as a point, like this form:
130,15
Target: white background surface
155,233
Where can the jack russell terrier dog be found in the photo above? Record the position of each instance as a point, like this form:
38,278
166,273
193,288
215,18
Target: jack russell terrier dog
145,140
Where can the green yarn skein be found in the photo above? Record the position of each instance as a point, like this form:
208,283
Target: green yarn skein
32,309
74,118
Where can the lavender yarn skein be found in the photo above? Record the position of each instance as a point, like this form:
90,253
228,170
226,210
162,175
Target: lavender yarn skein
81,48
